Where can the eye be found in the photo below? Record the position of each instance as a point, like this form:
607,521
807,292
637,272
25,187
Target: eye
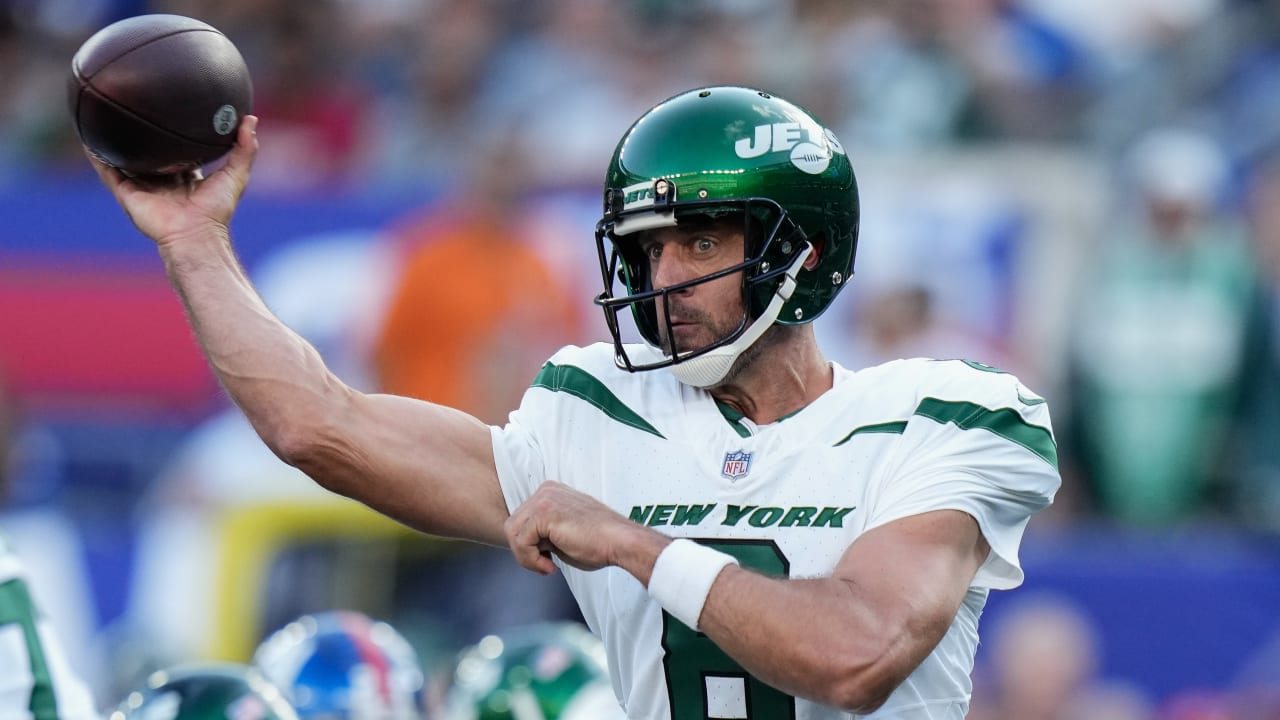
653,251
704,244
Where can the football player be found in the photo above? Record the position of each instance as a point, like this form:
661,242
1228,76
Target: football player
35,679
543,671
343,665
753,530
205,691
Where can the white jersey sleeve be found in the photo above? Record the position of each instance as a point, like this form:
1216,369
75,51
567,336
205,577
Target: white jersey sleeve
521,447
978,441
547,437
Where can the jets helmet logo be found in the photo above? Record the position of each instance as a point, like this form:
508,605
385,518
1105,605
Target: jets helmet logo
811,148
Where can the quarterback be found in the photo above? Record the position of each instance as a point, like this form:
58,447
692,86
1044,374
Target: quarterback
753,530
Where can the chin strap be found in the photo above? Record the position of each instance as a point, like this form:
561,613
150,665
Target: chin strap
710,368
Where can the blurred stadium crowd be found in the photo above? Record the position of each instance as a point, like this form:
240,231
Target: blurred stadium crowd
1084,192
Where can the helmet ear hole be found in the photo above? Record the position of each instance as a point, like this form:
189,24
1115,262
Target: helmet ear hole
819,243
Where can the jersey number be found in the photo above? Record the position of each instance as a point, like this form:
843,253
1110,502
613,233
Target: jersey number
704,682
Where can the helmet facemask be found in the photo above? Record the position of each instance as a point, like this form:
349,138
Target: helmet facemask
775,249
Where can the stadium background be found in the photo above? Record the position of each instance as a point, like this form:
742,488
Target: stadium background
1005,148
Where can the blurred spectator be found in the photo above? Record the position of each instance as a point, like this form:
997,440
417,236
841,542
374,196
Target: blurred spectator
313,108
1030,79
898,84
475,311
1123,34
933,275
903,322
562,85
1248,99
1256,489
36,46
420,127
1160,336
1044,666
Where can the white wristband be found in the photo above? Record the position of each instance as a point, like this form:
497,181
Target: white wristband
682,578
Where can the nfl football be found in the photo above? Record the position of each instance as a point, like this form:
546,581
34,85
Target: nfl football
158,94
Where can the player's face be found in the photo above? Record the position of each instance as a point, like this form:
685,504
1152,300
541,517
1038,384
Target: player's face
706,312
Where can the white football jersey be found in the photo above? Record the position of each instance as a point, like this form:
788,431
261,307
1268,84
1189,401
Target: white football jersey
787,499
36,682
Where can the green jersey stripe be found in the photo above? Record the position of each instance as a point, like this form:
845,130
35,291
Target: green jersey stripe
1005,422
734,417
16,608
896,427
580,383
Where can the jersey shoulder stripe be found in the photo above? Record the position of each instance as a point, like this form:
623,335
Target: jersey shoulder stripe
580,383
895,427
1005,422
962,393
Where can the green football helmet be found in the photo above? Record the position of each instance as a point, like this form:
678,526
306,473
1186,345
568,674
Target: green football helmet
206,691
544,671
741,153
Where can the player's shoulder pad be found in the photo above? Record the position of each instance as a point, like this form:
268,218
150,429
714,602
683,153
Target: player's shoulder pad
971,381
595,354
590,369
595,359
956,381
965,395
580,380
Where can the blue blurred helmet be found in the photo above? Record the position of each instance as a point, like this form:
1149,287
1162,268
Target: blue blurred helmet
341,665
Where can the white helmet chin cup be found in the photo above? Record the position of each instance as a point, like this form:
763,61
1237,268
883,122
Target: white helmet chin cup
710,368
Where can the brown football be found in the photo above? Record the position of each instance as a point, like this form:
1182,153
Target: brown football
158,94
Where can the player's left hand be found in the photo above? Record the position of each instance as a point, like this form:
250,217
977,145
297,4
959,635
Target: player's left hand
580,530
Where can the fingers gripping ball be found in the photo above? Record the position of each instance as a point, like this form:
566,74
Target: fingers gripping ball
158,94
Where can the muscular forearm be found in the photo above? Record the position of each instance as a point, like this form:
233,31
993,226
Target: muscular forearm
819,639
271,373
814,638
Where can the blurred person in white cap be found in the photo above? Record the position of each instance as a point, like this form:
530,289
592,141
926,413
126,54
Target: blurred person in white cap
1159,338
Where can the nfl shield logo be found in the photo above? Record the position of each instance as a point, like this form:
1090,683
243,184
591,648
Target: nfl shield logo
736,465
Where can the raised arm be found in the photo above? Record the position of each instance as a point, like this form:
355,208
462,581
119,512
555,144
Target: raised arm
428,466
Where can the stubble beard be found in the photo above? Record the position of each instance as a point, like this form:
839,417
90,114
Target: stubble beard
754,354
750,356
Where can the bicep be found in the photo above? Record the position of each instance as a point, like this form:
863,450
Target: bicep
426,465
913,574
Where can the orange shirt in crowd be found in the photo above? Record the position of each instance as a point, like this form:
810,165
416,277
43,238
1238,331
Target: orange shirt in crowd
474,315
